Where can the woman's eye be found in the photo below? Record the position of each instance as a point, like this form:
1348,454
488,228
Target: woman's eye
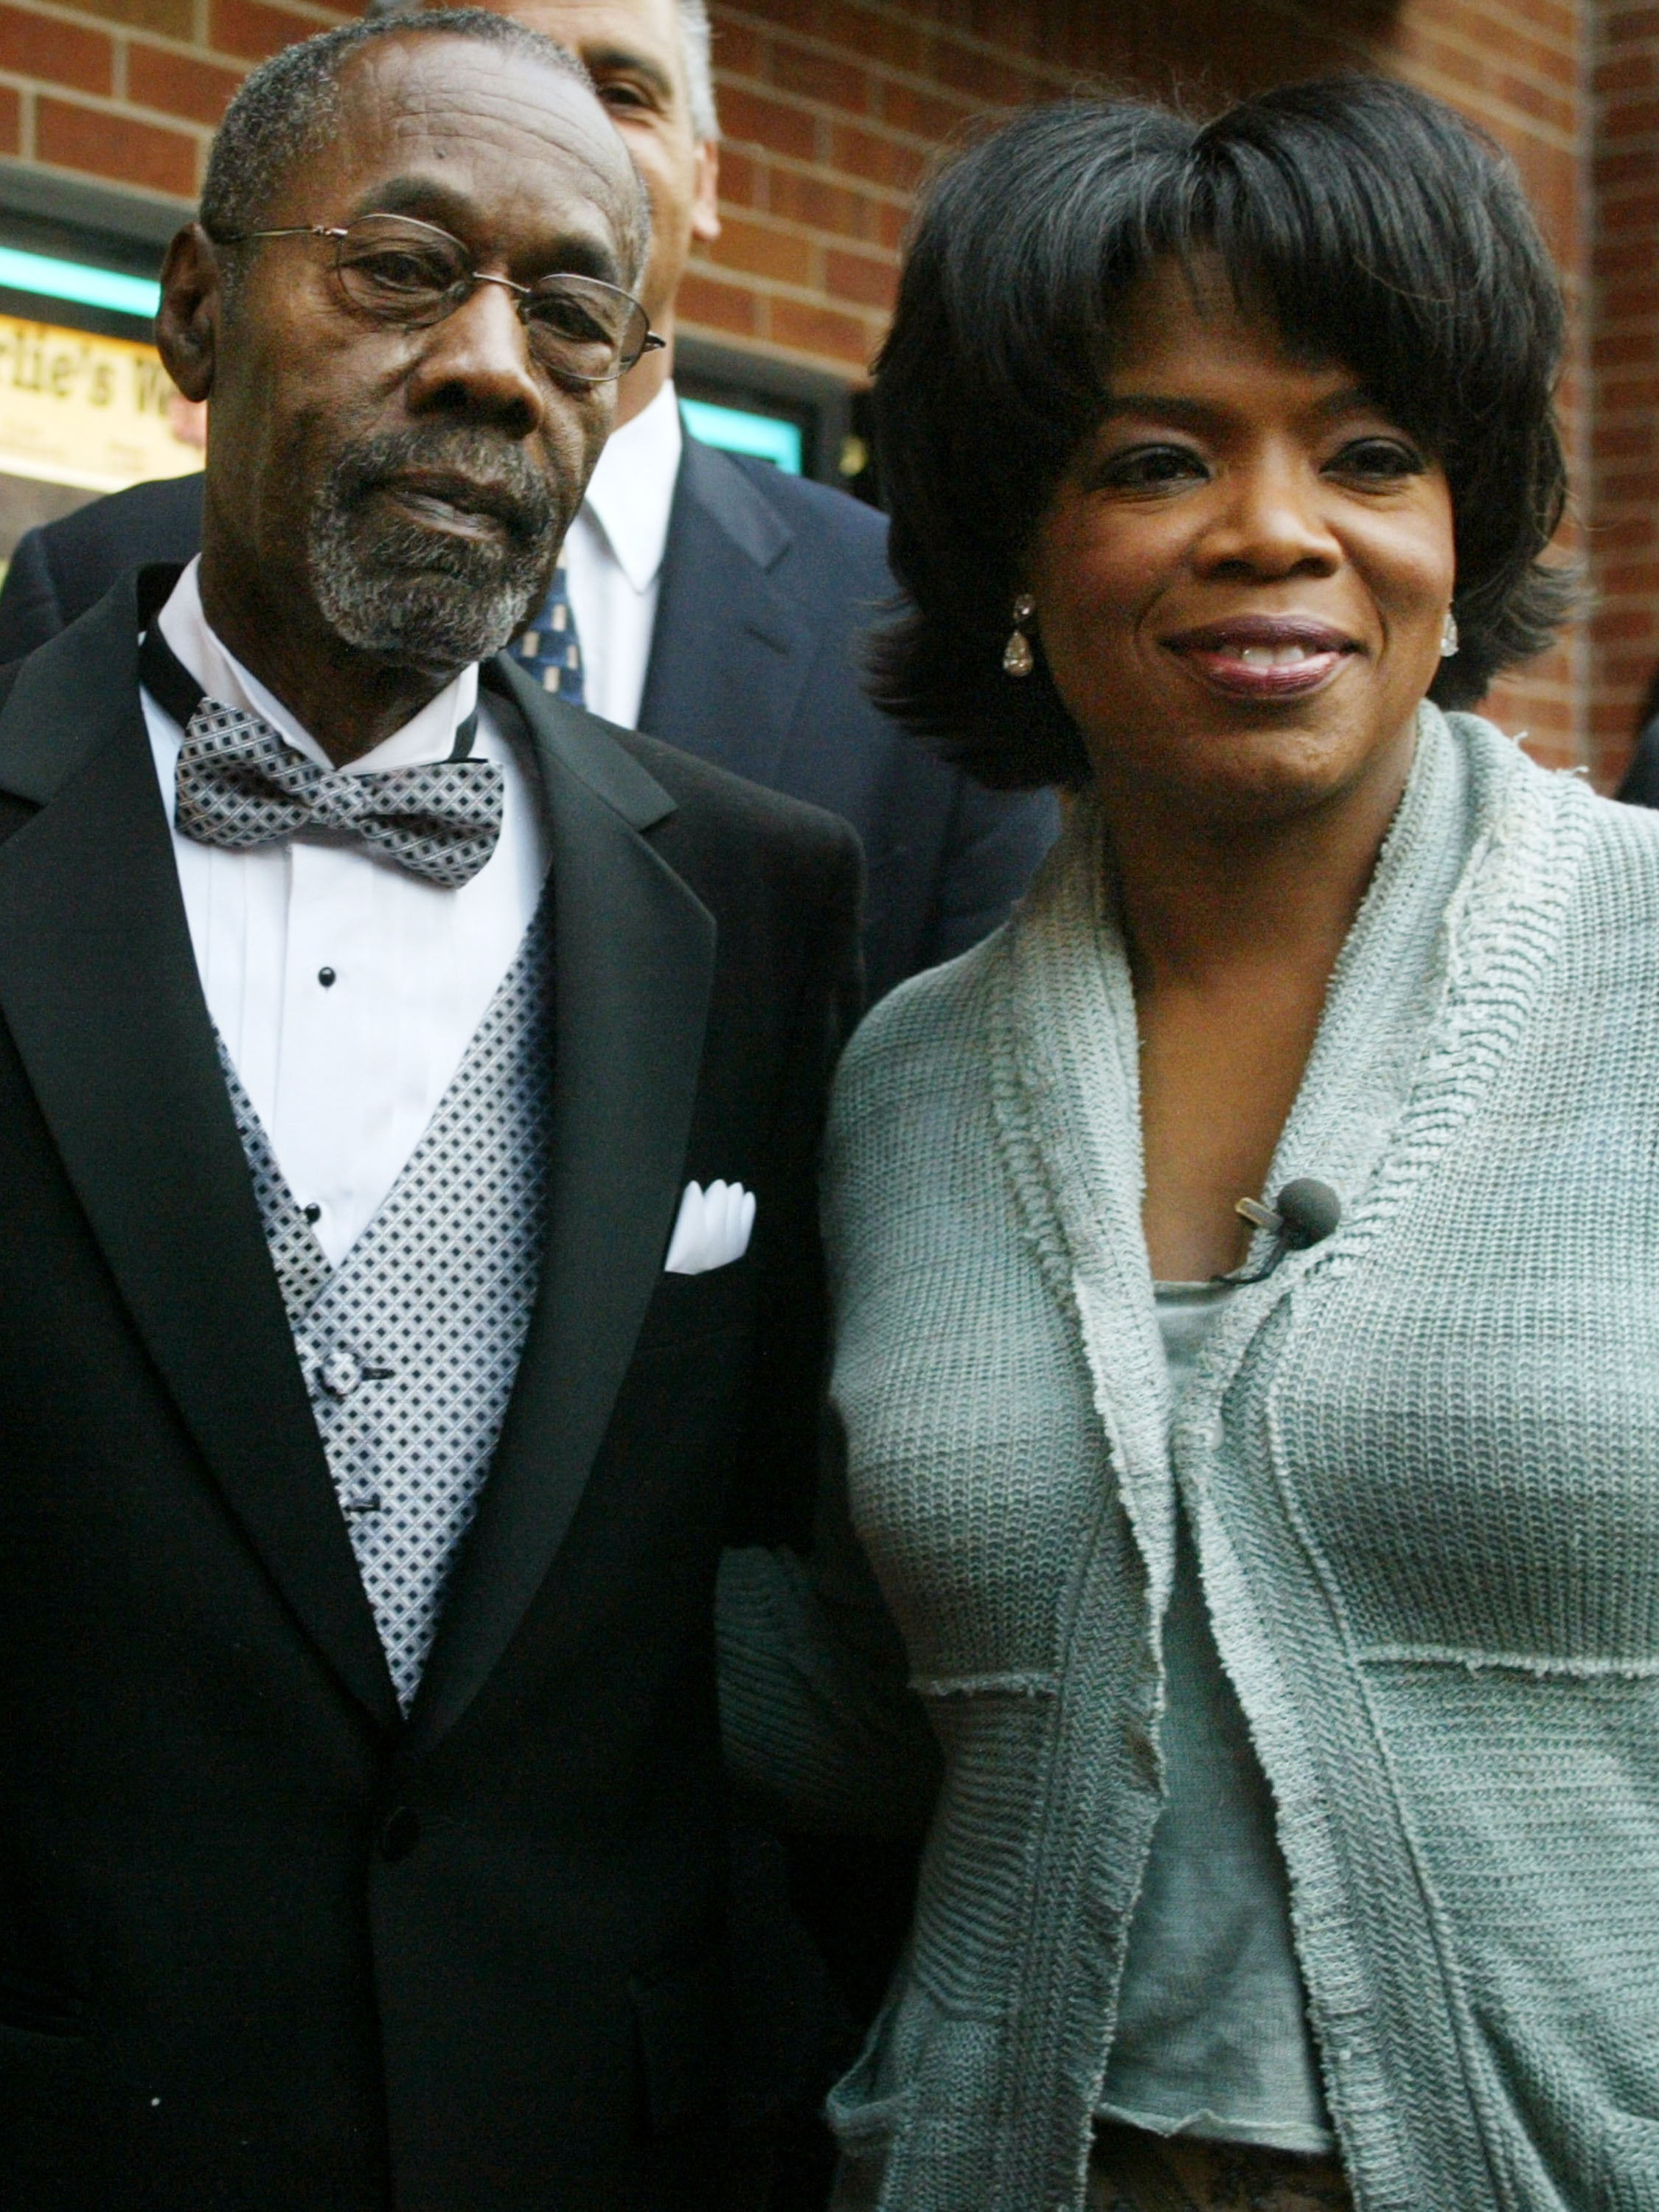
1145,467
1378,459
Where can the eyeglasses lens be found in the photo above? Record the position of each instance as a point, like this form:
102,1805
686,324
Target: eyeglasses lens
583,328
402,271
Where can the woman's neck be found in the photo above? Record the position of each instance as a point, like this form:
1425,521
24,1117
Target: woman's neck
1233,930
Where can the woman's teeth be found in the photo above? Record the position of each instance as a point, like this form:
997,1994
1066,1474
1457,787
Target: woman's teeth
1278,656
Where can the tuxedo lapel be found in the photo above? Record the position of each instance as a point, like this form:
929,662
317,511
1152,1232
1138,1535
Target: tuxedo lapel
99,993
731,649
634,953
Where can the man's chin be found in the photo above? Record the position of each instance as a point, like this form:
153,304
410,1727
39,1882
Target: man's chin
436,623
439,607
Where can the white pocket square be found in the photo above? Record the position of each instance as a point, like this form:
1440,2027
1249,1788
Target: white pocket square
712,1229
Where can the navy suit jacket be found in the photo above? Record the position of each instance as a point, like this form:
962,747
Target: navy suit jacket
767,582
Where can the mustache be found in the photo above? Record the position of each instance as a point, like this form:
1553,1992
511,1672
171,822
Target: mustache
467,466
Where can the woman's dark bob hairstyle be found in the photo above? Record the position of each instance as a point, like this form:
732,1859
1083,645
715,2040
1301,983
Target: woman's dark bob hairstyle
1371,225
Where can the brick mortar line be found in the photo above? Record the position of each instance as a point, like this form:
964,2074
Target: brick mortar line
1490,110
818,172
61,169
193,48
108,104
813,42
189,50
40,11
1295,14
1569,49
779,288
789,226
786,95
1570,95
773,350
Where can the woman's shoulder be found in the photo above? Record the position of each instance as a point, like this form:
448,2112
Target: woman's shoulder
933,1019
1612,847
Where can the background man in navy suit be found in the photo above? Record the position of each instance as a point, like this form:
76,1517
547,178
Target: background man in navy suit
718,601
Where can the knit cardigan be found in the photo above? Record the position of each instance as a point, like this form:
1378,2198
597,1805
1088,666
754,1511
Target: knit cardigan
1421,1463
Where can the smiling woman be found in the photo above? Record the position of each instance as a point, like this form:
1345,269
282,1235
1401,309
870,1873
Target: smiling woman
1250,1446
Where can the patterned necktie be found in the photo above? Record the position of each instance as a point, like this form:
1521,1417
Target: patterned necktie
239,785
550,648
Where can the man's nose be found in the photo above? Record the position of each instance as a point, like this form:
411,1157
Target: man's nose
1271,519
476,363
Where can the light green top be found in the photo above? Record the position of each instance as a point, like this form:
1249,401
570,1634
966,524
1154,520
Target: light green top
1420,1466
1213,2034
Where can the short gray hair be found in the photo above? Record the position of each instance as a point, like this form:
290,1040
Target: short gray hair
698,42
287,105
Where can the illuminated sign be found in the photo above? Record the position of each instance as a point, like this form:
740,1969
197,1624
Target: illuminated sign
739,430
99,412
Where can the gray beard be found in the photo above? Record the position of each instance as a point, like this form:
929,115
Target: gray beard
423,598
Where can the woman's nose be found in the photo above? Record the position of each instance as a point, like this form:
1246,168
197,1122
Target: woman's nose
475,363
1269,519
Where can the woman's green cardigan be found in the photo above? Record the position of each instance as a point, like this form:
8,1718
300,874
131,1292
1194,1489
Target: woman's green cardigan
1422,1464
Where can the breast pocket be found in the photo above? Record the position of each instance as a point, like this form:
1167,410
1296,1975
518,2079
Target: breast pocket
685,1307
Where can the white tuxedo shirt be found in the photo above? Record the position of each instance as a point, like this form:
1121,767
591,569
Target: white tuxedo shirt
346,1074
614,557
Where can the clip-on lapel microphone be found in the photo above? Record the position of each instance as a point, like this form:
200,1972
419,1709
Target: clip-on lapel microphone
1305,1213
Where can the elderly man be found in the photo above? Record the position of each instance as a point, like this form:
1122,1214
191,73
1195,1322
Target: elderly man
709,600
409,1088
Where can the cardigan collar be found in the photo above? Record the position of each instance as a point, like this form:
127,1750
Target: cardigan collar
1462,911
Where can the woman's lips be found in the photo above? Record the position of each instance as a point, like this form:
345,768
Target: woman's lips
1263,659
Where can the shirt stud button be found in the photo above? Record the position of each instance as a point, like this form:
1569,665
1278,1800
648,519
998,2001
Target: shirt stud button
314,1211
326,977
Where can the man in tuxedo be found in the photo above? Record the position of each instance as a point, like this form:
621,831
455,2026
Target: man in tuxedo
409,1091
710,600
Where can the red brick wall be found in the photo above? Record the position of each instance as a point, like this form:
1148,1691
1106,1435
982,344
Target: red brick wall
1623,629
131,90
831,108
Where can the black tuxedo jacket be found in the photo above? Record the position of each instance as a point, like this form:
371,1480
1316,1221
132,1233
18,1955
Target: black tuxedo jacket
768,582
263,1945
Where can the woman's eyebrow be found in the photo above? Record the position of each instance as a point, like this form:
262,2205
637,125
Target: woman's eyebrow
1198,412
1201,414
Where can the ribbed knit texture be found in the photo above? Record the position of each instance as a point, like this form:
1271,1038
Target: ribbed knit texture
1422,1466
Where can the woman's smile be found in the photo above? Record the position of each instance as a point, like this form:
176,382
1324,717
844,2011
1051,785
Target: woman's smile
1262,658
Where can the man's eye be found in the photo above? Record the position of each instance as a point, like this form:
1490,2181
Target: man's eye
1145,467
401,270
630,98
572,320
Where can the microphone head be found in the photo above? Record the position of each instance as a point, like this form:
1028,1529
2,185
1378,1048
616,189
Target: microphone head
1309,1211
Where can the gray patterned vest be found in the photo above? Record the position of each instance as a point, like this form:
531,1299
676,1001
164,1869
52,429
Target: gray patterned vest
410,1346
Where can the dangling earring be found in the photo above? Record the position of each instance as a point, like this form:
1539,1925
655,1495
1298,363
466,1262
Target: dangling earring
1017,657
1449,635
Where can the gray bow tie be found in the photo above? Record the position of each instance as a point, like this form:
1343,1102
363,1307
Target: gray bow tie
239,785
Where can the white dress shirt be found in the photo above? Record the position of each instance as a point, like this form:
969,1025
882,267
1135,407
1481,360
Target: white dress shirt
346,1074
613,557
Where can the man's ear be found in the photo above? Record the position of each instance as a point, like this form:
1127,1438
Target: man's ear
706,202
187,328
